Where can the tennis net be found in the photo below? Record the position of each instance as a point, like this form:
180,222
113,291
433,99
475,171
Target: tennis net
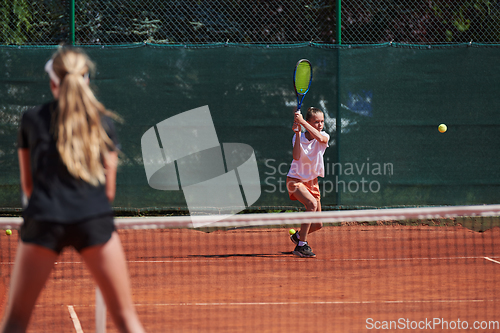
428,268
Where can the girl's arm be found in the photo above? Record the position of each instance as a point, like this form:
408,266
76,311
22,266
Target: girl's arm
110,166
314,132
25,170
296,145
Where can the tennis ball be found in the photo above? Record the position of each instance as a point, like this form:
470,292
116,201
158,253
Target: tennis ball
291,231
8,232
442,128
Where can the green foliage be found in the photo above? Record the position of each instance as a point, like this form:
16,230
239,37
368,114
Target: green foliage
46,22
473,20
15,21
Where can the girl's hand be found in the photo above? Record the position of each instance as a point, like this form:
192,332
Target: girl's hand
298,118
296,127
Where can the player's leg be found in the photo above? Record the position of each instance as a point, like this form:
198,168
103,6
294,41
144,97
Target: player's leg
303,195
306,198
108,265
312,228
31,269
310,203
316,226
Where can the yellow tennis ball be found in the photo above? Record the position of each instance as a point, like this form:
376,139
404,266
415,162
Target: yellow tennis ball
442,128
8,232
291,231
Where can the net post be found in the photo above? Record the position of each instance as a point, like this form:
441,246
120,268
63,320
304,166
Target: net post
100,312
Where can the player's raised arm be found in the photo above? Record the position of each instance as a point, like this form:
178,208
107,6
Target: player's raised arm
296,145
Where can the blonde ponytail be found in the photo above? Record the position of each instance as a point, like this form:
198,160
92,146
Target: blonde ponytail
82,141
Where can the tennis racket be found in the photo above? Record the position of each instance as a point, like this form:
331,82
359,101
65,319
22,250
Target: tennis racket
302,77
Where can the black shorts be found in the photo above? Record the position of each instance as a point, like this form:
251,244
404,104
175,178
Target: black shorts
55,236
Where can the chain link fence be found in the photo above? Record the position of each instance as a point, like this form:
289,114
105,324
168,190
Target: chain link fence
421,22
111,22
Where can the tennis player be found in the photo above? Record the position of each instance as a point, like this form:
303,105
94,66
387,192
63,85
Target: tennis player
306,167
68,159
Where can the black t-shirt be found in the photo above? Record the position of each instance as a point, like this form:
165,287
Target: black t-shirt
57,195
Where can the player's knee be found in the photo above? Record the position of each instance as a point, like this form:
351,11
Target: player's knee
312,206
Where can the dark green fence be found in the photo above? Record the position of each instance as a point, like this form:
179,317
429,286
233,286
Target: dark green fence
392,99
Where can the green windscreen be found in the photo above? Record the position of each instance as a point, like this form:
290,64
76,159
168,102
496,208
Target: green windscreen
392,101
302,76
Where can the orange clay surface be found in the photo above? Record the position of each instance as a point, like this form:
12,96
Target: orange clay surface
420,278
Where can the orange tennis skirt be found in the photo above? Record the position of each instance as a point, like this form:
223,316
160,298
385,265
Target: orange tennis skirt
292,184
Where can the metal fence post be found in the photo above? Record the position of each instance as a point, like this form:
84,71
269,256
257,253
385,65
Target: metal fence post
72,22
338,126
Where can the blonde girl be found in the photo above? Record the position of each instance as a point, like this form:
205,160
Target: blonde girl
68,155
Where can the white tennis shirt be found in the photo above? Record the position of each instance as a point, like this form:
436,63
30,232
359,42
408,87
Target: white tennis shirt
311,164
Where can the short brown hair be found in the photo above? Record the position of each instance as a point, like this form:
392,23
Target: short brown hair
312,111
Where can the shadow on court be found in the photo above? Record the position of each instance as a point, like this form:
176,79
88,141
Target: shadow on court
250,255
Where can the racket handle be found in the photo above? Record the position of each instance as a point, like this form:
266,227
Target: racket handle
297,111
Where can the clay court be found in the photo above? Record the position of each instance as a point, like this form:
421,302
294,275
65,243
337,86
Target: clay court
247,280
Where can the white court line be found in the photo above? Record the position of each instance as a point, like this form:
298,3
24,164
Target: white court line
488,258
291,258
74,317
295,259
322,303
314,303
405,259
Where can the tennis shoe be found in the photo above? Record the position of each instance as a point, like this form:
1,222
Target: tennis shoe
304,251
294,238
